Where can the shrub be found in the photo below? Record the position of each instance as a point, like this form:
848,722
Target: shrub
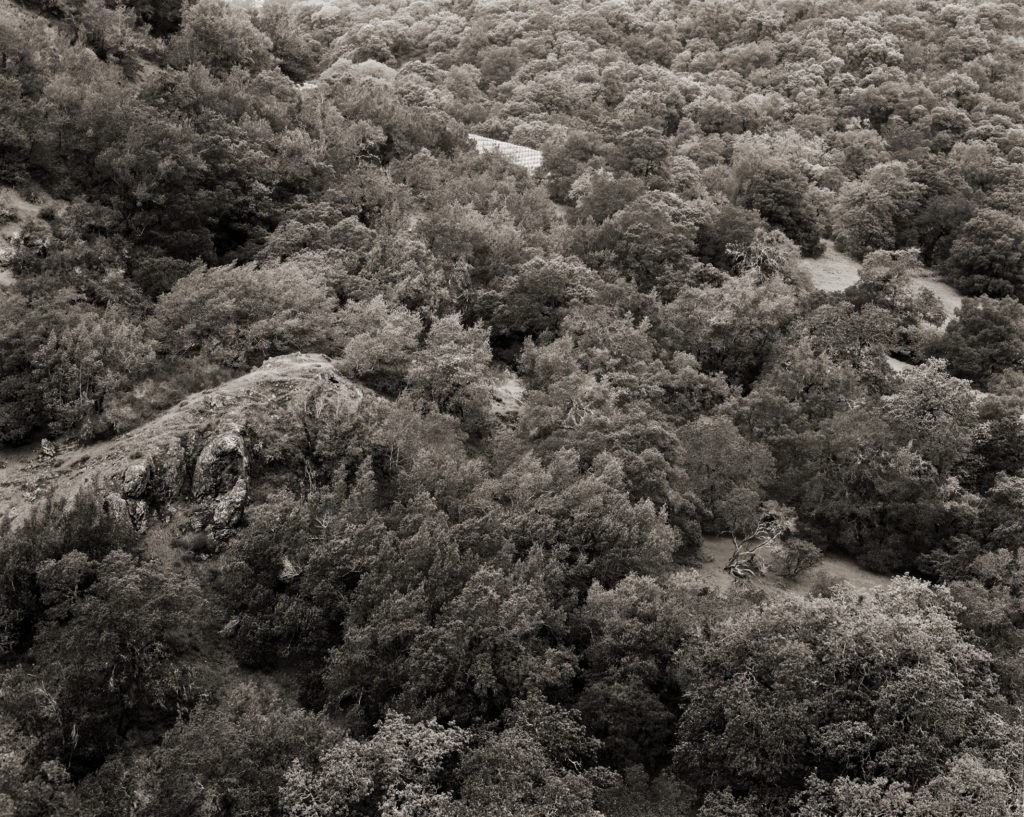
796,556
239,316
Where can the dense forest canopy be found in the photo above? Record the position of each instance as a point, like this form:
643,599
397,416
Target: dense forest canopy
416,450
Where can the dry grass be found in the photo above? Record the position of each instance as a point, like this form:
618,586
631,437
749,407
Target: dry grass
718,549
264,393
832,271
14,203
507,396
517,154
950,298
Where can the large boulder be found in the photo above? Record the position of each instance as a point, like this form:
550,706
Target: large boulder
221,464
227,513
135,480
116,507
170,468
127,511
222,474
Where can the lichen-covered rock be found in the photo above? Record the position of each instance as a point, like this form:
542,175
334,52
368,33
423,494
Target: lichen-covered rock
138,509
116,507
221,464
222,472
170,468
227,513
126,511
135,480
289,572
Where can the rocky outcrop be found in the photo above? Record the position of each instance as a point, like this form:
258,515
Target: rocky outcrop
132,512
222,476
228,511
116,507
138,510
221,463
170,470
194,465
135,480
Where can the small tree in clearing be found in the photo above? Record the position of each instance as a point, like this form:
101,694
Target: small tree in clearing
750,554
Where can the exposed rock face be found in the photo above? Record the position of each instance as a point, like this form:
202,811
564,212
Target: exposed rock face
221,463
171,469
135,480
227,513
137,511
222,473
128,511
194,459
289,572
116,507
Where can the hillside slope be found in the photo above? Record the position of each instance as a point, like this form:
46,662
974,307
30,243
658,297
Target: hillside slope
174,457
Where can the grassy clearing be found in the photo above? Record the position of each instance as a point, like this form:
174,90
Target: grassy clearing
718,549
951,299
832,271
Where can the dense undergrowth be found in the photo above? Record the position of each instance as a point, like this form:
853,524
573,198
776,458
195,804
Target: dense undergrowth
454,610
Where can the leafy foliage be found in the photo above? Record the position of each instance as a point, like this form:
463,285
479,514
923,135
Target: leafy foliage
463,583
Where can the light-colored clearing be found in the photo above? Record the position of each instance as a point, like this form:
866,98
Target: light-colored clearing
521,155
507,395
718,549
12,201
898,365
832,271
835,271
951,299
